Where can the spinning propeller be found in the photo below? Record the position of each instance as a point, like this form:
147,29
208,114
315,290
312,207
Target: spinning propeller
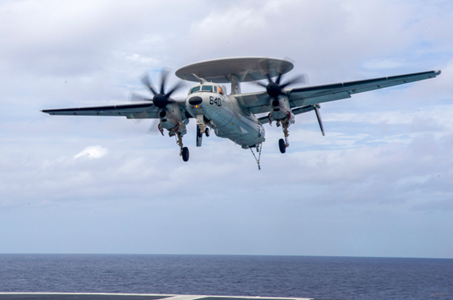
275,88
161,98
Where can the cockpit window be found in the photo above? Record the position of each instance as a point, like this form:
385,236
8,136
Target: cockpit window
215,88
207,88
195,89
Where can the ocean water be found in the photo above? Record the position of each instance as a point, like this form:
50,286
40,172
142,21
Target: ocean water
276,276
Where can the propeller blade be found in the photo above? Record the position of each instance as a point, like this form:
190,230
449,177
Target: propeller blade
147,82
138,118
318,116
174,89
163,77
283,70
279,78
275,88
133,97
280,72
264,69
262,65
261,84
297,79
268,76
153,128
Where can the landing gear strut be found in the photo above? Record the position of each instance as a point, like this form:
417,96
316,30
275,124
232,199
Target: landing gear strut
184,151
202,127
200,132
283,143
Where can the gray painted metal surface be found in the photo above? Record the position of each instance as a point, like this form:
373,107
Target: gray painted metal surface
107,296
243,68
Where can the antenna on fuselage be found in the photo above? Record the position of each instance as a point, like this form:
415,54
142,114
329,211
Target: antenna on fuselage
201,80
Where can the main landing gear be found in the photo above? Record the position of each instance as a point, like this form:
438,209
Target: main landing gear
184,151
283,143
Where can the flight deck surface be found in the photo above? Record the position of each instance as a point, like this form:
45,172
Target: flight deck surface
114,296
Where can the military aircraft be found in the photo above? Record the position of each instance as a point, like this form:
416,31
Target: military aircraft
234,116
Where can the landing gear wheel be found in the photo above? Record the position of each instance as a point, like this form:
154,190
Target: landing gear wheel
199,131
282,145
185,154
206,131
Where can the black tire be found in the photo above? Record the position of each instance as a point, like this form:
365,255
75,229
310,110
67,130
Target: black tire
282,145
185,154
199,131
206,131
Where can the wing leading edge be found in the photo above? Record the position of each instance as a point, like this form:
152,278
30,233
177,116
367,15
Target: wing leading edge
131,111
259,102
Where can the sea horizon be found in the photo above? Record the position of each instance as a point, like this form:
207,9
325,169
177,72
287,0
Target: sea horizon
322,277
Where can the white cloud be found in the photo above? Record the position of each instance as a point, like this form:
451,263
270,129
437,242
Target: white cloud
382,64
92,152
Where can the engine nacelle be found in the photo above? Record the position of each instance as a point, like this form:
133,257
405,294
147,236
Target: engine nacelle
173,119
281,110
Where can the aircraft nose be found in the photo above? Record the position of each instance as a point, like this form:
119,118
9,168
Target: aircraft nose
195,100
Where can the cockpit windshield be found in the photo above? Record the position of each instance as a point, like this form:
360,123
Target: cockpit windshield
206,88
195,89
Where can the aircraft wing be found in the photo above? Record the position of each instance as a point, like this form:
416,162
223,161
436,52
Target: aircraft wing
255,102
324,93
259,102
131,111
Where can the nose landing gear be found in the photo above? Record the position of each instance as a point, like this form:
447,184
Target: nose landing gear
202,127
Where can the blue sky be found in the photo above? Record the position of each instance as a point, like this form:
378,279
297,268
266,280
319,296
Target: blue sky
380,183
